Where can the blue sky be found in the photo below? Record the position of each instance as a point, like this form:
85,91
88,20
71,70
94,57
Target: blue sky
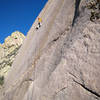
18,15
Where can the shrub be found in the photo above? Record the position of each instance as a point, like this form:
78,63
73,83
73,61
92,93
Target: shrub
94,6
1,80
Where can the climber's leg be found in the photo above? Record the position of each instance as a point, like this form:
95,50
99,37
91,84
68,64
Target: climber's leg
39,24
37,28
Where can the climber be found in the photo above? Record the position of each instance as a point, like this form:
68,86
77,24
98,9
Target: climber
39,23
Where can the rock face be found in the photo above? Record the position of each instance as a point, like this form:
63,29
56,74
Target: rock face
8,51
58,61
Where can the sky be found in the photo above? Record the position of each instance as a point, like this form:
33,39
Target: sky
18,15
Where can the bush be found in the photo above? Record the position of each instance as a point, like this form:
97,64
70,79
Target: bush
94,6
1,80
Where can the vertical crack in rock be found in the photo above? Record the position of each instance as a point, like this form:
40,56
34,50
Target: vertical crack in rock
76,13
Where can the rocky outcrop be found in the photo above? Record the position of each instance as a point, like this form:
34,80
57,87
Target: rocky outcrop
8,51
58,61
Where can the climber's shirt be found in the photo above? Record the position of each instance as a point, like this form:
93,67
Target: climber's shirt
40,20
